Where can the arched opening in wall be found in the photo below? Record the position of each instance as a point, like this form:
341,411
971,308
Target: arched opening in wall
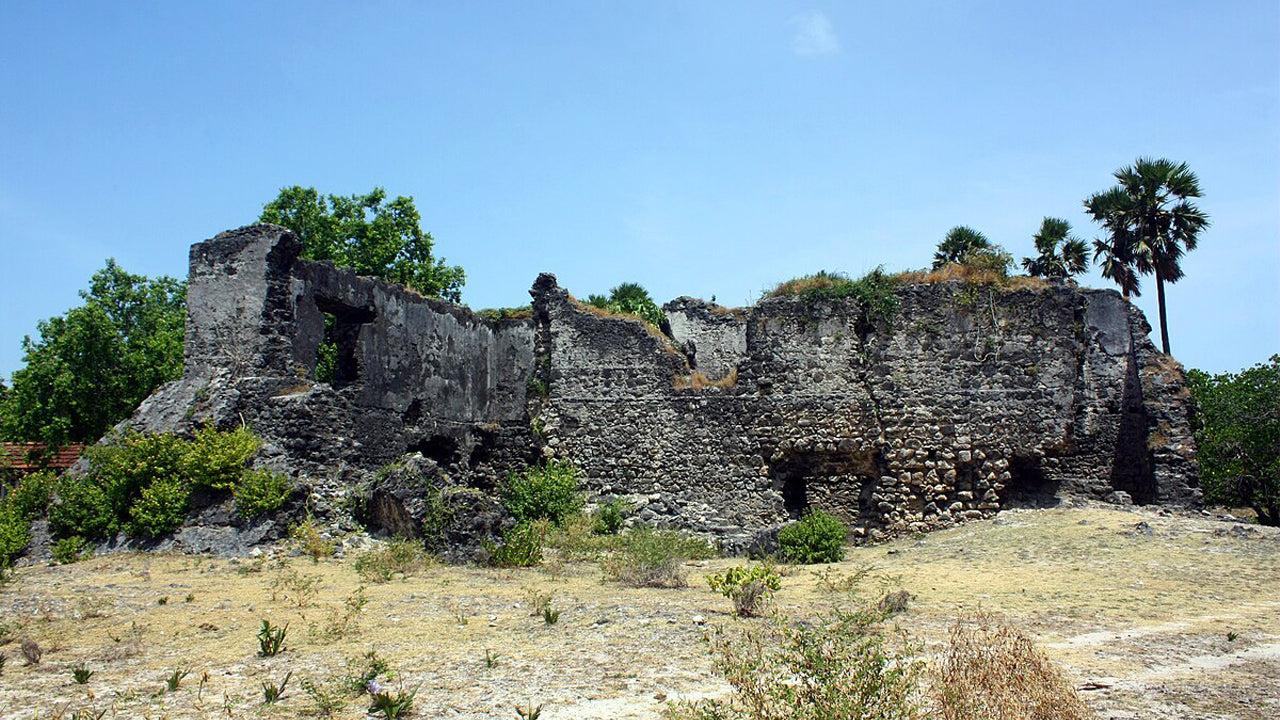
337,361
795,495
1028,486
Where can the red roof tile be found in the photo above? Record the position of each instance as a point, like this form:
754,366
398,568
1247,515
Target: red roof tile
31,456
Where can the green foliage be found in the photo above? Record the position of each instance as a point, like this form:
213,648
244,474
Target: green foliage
520,547
747,587
873,292
92,366
630,298
81,673
816,538
70,549
30,496
364,233
216,460
82,509
645,557
1061,255
609,517
392,705
174,681
260,492
960,242
271,638
399,556
15,533
548,491
1237,429
839,667
273,693
160,508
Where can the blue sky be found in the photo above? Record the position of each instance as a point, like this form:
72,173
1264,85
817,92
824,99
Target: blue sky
700,148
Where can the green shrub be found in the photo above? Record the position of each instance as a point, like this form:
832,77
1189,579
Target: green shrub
609,517
747,587
548,491
874,292
69,549
815,538
133,462
15,532
217,460
30,496
399,556
838,667
160,508
645,557
82,509
260,492
520,547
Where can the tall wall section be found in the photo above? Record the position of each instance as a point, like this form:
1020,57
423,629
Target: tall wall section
963,401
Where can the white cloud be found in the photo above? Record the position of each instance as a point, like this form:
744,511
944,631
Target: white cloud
813,35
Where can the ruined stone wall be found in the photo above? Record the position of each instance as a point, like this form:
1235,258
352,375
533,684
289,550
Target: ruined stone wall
966,400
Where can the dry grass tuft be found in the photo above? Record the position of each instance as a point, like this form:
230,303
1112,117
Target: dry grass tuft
817,282
974,275
992,670
1026,282
698,381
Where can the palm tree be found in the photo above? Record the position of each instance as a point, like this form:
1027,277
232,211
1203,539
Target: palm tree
1151,223
1052,263
959,243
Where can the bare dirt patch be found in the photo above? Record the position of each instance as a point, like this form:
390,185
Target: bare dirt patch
1153,616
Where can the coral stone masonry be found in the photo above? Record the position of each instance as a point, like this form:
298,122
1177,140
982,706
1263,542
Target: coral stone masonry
966,400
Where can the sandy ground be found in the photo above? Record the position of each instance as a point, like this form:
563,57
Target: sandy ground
1153,616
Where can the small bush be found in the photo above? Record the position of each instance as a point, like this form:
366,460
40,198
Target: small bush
815,538
747,587
81,509
838,667
31,496
520,547
548,491
874,292
609,517
217,460
644,557
260,492
307,535
15,533
991,670
160,508
69,549
399,556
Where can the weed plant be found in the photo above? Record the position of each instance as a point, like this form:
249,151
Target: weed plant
520,547
273,693
81,674
271,638
174,681
548,491
645,557
748,587
398,557
392,705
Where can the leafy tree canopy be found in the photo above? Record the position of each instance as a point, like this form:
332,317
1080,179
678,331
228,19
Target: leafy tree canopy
1060,254
960,242
1238,437
363,232
92,367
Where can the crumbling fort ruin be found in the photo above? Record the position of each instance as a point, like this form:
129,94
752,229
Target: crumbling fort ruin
965,401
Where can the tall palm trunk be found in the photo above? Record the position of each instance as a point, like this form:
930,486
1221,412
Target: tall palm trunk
1164,324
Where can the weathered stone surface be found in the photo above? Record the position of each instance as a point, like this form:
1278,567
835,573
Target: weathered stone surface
968,400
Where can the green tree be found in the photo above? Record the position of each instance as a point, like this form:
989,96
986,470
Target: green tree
363,232
1238,437
1060,254
960,242
92,367
1151,223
